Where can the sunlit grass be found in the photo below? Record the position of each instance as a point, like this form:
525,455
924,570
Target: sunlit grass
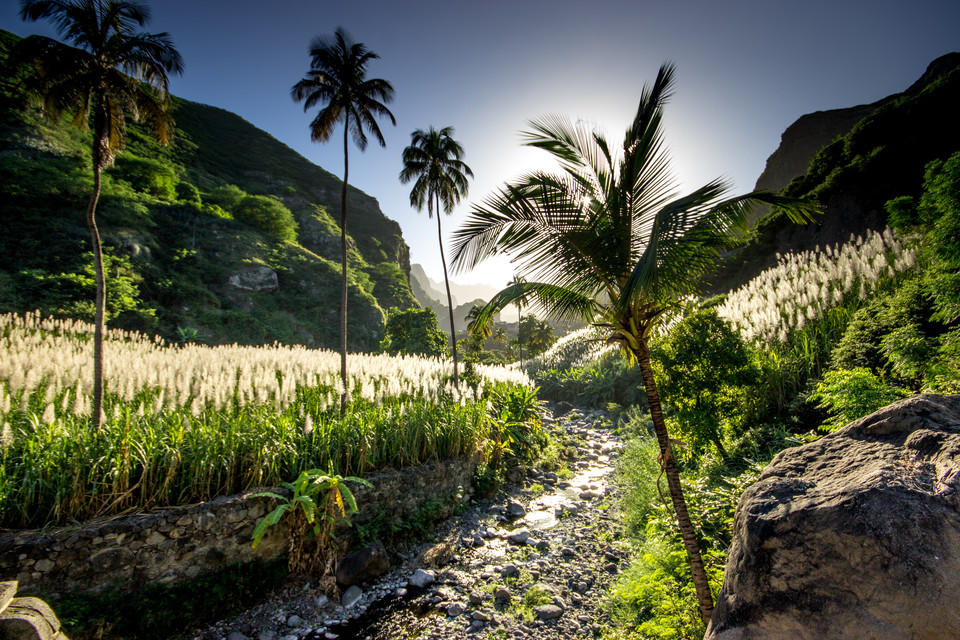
184,424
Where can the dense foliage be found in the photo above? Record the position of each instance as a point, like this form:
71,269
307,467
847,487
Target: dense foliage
753,393
189,423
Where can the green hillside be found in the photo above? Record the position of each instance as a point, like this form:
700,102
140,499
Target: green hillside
225,202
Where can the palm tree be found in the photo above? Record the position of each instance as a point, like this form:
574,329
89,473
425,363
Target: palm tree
337,79
521,301
485,329
433,160
610,241
107,71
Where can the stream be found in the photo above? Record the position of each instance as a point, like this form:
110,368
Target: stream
533,561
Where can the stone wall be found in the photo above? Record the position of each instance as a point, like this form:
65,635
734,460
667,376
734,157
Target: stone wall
178,544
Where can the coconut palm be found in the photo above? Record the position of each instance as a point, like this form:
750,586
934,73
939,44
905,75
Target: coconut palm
106,71
433,161
607,239
337,79
485,329
520,302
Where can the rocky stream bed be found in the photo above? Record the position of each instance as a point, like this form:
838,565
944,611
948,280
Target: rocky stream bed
534,561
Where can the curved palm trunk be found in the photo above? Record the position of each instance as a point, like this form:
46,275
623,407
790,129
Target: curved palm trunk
453,331
669,465
101,297
343,273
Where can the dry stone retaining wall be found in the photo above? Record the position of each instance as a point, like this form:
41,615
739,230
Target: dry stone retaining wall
178,544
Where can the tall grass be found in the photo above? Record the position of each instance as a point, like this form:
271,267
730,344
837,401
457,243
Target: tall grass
184,424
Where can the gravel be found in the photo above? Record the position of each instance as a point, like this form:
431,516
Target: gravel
565,543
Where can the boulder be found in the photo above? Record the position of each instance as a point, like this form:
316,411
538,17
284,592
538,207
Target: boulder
259,279
359,566
856,535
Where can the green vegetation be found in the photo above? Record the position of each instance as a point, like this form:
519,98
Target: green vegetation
413,332
186,424
241,199
319,502
433,162
108,72
849,357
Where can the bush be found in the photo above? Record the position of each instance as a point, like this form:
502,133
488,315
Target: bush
413,332
269,215
148,176
849,394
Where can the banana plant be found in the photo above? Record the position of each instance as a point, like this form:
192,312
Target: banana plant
322,499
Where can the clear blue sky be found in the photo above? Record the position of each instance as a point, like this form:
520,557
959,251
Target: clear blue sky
745,71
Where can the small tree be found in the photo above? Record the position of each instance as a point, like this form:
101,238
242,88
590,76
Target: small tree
413,332
705,372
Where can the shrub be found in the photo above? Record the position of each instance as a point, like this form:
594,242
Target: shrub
148,176
269,215
849,394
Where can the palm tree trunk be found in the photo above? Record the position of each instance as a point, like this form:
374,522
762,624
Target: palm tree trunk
100,300
669,465
519,343
343,272
453,331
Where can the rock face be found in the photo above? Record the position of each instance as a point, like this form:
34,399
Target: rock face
856,535
255,279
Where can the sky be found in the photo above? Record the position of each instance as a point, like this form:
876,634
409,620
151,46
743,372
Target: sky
746,69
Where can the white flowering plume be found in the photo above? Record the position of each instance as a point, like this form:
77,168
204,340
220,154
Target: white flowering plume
804,286
55,355
575,349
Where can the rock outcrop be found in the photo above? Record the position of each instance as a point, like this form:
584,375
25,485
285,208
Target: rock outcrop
256,278
856,535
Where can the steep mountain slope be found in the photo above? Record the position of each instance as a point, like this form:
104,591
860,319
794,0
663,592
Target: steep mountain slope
227,235
853,161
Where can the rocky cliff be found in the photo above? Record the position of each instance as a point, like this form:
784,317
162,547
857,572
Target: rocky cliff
852,161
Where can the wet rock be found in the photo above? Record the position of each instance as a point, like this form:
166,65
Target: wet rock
422,578
548,611
360,566
350,597
294,621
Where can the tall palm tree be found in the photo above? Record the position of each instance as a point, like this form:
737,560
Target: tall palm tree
337,79
609,240
107,71
520,302
433,161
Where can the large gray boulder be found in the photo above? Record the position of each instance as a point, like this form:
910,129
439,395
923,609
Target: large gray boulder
856,535
256,279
